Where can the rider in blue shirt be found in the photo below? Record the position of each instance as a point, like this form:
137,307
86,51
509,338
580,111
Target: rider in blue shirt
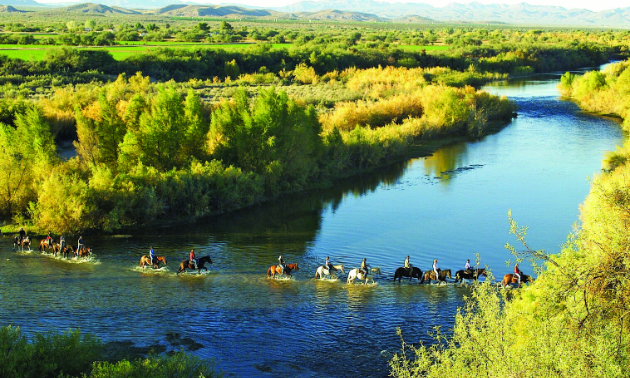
79,243
151,255
468,267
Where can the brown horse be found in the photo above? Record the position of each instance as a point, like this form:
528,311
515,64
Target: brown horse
83,252
43,245
429,275
55,248
275,269
146,261
186,264
512,279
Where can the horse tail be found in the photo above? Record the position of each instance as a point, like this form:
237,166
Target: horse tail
316,274
269,272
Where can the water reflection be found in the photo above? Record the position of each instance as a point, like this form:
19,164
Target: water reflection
443,164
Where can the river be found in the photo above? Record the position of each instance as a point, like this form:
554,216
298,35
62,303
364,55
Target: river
450,206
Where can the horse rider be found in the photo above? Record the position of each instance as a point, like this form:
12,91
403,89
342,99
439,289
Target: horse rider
49,240
518,273
79,244
62,243
468,267
281,263
22,234
327,264
436,270
407,264
364,267
192,258
151,255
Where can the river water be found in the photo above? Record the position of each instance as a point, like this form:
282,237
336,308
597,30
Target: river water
449,207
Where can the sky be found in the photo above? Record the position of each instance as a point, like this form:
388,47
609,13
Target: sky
595,6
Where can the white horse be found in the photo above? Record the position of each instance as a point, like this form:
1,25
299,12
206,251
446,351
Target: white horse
356,273
323,271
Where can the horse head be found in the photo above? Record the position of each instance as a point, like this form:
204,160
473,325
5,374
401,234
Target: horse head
205,259
164,260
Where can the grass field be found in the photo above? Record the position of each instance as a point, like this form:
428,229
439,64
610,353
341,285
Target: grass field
126,49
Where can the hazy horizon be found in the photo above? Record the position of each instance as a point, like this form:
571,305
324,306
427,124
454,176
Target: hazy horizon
573,4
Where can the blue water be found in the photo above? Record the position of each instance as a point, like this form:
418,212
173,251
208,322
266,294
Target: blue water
449,207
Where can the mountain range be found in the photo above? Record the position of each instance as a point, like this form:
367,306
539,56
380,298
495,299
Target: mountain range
371,10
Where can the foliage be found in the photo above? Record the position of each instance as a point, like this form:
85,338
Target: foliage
73,354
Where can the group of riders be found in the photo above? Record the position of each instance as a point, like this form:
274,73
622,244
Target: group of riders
49,240
191,257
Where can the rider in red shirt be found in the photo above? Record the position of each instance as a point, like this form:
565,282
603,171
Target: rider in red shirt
193,259
517,273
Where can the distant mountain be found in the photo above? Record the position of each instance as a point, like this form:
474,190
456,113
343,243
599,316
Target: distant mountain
97,8
522,13
413,20
215,11
339,16
139,4
9,9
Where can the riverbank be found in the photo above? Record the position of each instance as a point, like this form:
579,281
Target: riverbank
572,321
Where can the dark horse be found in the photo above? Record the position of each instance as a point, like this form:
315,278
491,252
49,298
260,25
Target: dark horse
469,275
274,269
186,264
406,272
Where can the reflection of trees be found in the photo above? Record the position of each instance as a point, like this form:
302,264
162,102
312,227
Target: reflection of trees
287,227
445,160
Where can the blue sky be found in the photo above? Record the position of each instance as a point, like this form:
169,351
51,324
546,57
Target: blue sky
569,4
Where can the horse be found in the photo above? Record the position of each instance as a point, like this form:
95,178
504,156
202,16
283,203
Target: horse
146,260
55,248
43,245
512,279
66,250
429,275
473,275
26,241
323,271
414,272
358,274
186,264
83,252
275,269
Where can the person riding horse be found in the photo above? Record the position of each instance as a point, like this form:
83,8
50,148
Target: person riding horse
22,234
62,242
281,263
364,267
328,265
407,264
436,270
151,255
192,258
517,273
468,267
79,244
49,239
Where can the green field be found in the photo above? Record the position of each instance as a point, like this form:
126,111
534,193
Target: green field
119,52
427,48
